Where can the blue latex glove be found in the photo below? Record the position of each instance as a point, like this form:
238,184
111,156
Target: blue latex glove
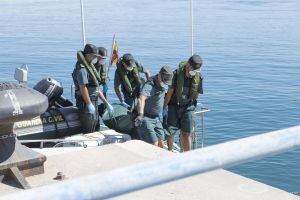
105,88
91,108
109,108
165,112
125,105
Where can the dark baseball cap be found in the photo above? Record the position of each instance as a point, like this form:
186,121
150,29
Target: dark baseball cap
196,62
91,49
129,60
166,74
102,52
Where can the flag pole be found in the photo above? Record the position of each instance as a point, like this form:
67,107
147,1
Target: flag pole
192,25
195,137
82,23
111,53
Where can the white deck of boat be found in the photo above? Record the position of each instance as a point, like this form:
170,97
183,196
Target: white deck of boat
216,185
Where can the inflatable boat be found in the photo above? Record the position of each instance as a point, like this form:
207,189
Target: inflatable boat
59,121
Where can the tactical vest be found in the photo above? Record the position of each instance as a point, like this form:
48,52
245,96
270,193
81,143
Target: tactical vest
126,86
193,88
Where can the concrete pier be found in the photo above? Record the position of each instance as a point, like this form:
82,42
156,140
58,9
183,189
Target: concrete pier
78,162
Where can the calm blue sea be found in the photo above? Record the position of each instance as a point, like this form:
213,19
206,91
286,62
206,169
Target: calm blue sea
250,48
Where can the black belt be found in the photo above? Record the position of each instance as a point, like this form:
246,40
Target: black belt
151,116
80,98
94,98
182,105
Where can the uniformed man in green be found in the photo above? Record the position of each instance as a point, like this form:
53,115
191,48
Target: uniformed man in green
86,80
127,76
100,66
181,101
150,104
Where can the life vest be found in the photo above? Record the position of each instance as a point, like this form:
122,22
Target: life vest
101,69
126,85
90,68
193,88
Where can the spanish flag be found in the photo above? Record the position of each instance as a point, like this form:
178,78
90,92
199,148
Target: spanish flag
114,53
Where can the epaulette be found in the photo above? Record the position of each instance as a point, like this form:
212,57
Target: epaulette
82,66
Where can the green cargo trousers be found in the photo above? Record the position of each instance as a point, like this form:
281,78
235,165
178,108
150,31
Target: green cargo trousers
180,118
88,121
151,130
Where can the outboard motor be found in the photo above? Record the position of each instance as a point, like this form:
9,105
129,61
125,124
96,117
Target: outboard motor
18,103
53,90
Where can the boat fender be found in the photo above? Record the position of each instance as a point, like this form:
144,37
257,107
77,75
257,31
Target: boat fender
19,103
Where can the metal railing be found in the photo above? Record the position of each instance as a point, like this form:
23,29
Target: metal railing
62,140
195,135
143,175
58,141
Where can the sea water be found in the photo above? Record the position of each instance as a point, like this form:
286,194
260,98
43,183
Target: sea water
250,48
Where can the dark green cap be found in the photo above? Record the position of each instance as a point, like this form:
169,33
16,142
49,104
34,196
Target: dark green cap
129,60
166,74
102,52
195,61
91,49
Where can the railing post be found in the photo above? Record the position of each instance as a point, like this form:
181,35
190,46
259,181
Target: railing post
202,126
195,132
195,135
41,145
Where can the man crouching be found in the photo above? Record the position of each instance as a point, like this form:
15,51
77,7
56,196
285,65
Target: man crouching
150,104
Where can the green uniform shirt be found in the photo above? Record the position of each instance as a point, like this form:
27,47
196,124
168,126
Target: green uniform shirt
155,96
81,77
187,84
